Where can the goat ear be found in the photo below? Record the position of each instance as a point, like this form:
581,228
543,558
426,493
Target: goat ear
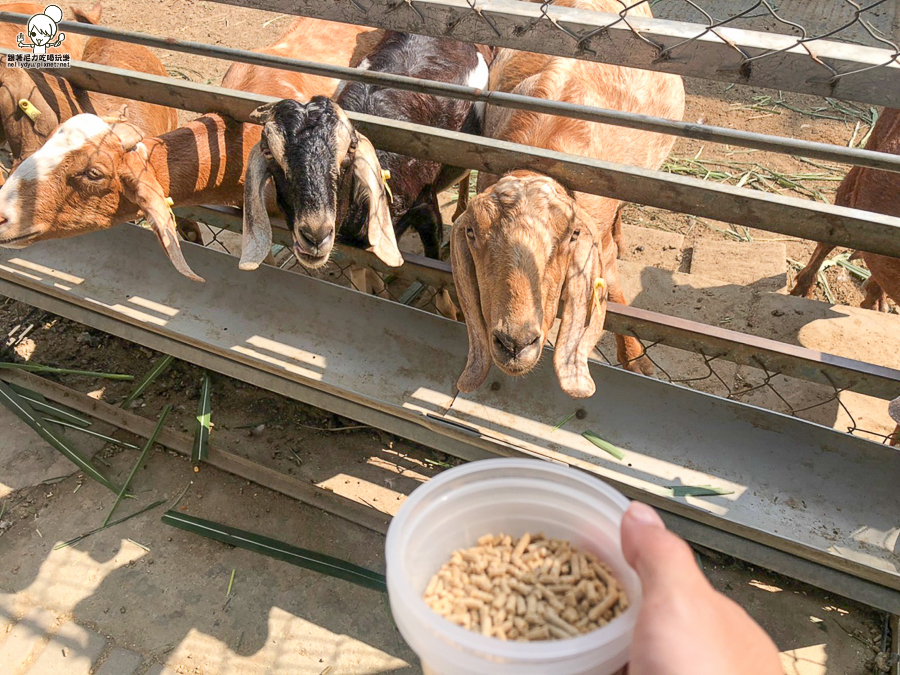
262,114
91,15
128,134
256,242
120,114
368,183
478,364
584,300
144,190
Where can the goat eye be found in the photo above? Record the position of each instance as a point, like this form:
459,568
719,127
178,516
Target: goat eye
267,153
94,174
575,235
470,233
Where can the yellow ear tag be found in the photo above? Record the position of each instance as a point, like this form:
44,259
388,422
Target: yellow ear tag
29,109
598,293
385,177
170,203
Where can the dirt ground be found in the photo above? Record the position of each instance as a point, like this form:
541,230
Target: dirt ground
147,601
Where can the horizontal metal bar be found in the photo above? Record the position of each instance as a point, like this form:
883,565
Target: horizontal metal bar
865,74
710,341
702,132
837,225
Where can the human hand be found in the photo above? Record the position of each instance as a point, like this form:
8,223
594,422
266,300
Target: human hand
685,626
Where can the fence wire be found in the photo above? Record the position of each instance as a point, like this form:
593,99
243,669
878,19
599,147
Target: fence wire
709,373
759,386
860,23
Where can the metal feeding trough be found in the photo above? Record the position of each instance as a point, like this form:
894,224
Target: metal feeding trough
807,501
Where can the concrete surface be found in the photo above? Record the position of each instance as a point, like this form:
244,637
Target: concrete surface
761,266
26,465
648,246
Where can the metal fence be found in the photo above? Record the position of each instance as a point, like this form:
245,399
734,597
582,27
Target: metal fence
688,47
786,49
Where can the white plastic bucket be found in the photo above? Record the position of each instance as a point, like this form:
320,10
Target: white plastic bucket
512,496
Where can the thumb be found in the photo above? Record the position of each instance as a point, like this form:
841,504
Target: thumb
662,560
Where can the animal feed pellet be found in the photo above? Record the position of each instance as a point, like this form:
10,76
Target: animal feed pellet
531,589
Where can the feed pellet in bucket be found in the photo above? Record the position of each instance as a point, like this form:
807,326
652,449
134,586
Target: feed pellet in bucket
531,589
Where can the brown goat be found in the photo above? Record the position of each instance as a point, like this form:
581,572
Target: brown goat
151,119
56,100
92,178
870,190
51,95
526,243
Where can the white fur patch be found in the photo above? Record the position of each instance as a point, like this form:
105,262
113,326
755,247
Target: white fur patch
363,65
69,136
479,78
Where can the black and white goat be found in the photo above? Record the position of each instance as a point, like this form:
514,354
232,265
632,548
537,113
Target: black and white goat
327,176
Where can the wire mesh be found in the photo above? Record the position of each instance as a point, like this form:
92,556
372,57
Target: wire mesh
826,404
860,23
343,272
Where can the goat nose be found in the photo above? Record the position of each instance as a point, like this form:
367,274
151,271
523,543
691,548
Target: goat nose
316,240
514,345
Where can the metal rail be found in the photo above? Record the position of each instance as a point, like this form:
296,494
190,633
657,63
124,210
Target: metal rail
819,67
711,341
838,225
702,132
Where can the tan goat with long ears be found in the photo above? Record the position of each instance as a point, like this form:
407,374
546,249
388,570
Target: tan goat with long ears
527,244
92,178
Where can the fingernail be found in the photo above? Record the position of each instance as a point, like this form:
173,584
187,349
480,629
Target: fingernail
645,515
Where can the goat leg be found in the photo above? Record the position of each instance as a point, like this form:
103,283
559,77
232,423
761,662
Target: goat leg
376,284
188,230
806,278
617,234
629,350
360,280
876,298
445,305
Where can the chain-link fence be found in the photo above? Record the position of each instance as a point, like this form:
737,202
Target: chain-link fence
871,24
825,404
344,272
